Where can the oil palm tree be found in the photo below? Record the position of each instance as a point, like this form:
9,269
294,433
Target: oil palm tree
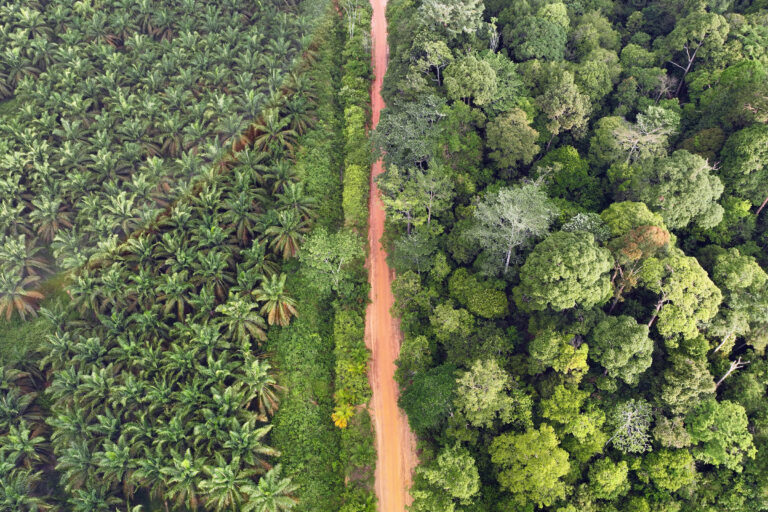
274,133
262,386
16,295
278,305
225,483
287,233
241,321
271,494
295,197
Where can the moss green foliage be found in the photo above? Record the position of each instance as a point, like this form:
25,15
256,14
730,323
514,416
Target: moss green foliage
19,337
481,299
531,465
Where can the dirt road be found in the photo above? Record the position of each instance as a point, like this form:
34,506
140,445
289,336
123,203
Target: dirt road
395,444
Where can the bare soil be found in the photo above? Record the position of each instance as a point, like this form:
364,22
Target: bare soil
395,443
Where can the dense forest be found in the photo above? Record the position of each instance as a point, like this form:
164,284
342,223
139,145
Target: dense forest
575,195
181,188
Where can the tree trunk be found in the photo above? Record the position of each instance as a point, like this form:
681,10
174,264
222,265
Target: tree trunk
761,207
735,365
661,302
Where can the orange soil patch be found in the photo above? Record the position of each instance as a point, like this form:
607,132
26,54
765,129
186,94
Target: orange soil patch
395,444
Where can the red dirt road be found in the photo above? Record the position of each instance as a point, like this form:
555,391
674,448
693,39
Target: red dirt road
395,444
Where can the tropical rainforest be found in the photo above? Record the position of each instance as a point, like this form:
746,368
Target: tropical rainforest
576,202
576,197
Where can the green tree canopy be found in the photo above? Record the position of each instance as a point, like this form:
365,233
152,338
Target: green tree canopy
608,479
565,270
511,139
745,163
681,188
721,431
622,347
531,465
486,393
508,219
470,79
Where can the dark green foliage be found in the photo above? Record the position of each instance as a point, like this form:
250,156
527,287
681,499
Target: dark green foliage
567,177
535,37
428,398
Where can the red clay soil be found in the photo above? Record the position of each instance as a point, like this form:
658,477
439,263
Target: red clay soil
395,444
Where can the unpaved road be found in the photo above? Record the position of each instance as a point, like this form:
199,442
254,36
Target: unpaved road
395,444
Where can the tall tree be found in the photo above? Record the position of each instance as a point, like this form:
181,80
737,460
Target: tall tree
507,220
531,465
622,347
565,270
486,393
681,188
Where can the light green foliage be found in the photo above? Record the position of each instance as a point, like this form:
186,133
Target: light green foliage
356,169
648,137
743,283
687,297
564,407
721,431
486,394
593,31
738,89
415,357
479,298
406,133
453,16
608,479
414,251
565,270
328,257
589,222
450,324
699,32
622,347
597,74
745,163
508,219
413,196
355,196
630,422
624,216
563,106
470,79
567,176
531,465
682,189
555,12
604,148
453,478
434,55
669,470
687,381
511,139
550,348
671,433
536,37
351,357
